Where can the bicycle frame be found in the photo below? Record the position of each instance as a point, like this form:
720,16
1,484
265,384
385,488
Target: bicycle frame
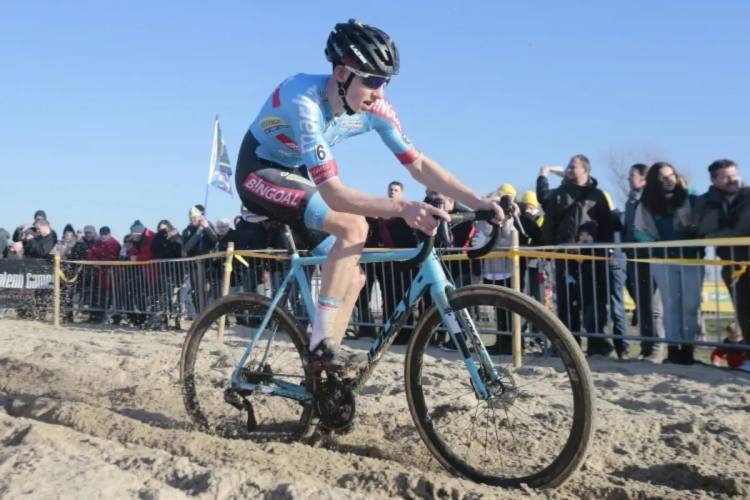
431,276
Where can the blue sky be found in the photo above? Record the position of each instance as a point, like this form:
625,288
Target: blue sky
107,108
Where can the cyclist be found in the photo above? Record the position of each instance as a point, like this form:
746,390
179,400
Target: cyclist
286,172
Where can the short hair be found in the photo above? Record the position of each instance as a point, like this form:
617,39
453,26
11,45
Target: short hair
714,168
396,183
640,168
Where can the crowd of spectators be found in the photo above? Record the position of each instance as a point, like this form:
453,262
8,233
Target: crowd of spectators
589,294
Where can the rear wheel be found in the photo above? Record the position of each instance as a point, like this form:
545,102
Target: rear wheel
428,379
207,364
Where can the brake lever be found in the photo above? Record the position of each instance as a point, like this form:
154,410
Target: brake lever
443,233
506,203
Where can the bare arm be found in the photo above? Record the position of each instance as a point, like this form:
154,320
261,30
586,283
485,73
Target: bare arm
344,199
428,172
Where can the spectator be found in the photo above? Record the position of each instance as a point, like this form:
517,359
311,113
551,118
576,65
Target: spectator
140,251
735,358
81,247
4,243
589,280
531,221
724,212
395,190
64,247
638,280
577,200
199,237
167,245
105,248
167,242
665,213
616,276
39,214
37,244
249,236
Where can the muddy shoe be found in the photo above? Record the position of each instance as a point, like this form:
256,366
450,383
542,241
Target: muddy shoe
333,358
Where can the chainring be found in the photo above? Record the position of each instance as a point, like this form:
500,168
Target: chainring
335,404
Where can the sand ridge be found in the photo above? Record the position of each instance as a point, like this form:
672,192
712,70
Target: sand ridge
97,413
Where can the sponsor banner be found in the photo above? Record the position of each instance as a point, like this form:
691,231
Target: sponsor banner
21,280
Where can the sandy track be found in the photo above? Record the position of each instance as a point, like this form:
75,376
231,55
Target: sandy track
97,414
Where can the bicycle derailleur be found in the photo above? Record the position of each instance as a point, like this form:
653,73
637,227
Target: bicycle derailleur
238,398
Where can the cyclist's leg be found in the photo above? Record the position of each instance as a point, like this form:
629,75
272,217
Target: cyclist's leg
288,196
341,277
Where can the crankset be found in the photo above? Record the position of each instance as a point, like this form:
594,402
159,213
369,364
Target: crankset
335,404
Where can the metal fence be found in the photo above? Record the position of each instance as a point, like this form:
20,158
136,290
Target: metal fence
670,293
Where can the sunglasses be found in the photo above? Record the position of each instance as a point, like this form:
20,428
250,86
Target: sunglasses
370,81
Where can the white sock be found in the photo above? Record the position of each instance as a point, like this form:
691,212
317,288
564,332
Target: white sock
325,315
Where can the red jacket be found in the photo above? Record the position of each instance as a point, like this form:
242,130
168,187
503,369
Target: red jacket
735,357
104,250
142,253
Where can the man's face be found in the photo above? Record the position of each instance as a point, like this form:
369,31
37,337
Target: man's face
395,192
41,229
89,235
68,236
575,171
222,228
635,179
136,236
361,95
195,220
727,180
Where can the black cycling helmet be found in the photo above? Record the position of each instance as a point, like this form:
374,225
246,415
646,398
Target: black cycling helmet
363,48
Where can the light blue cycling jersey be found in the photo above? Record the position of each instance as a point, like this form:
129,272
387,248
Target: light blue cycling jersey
296,127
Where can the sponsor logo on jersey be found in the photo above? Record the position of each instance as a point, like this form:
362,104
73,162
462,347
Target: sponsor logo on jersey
278,195
384,109
352,123
308,124
297,178
324,172
288,142
272,123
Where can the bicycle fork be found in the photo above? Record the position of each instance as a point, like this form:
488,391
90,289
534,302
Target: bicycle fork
461,327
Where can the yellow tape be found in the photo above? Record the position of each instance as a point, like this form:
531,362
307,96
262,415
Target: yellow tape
242,260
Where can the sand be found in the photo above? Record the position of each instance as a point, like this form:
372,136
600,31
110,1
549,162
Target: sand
96,413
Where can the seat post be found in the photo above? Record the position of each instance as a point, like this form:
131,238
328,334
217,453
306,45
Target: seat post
291,248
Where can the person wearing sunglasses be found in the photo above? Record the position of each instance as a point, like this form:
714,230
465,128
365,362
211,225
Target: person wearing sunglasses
287,173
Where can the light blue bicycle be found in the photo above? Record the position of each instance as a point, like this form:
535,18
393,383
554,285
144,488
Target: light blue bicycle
327,402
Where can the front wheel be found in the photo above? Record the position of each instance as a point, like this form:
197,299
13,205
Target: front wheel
560,441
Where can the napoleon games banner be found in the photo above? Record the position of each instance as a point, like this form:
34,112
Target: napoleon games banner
24,280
